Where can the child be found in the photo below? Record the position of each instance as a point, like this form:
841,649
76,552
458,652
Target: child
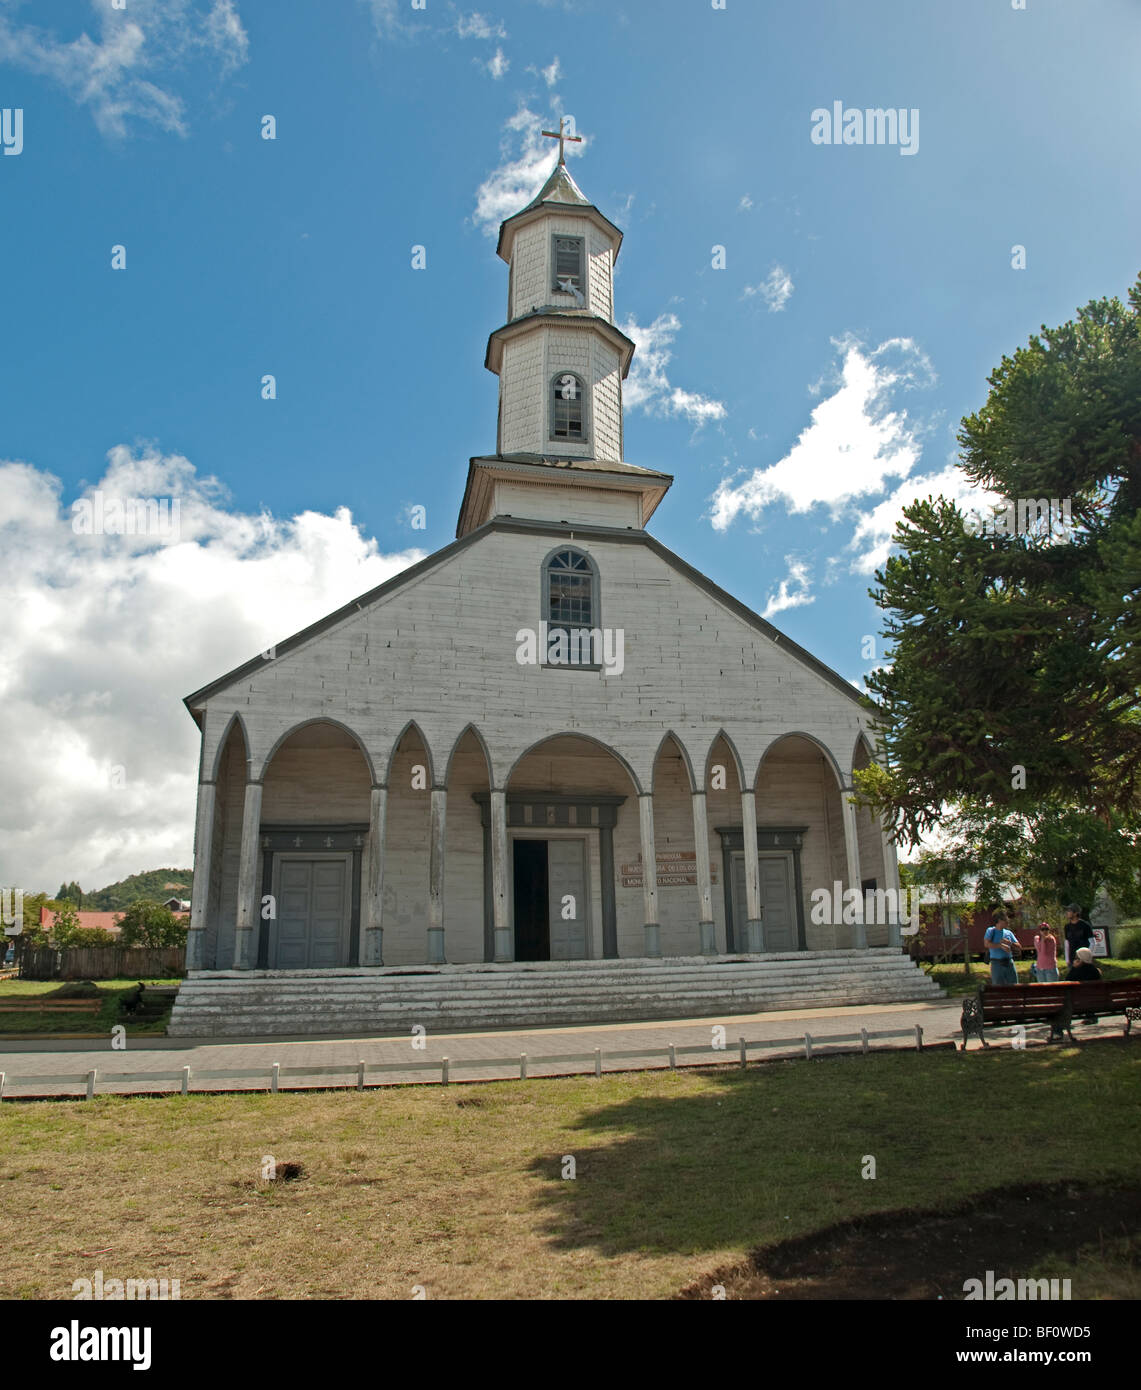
1046,946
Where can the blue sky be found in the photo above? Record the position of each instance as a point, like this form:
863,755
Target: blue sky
800,395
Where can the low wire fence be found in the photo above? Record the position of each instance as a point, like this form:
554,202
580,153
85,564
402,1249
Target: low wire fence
523,1064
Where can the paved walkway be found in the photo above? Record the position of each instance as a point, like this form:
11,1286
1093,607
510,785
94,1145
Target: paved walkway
624,1046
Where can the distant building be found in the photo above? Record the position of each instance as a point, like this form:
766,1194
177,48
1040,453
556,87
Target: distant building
106,921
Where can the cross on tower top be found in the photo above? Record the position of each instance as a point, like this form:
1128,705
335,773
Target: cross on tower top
562,138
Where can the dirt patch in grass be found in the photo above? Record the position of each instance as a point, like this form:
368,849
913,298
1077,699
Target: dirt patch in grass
1048,1230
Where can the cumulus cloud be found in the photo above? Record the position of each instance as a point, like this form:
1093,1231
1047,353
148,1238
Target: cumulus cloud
745,204
477,26
775,289
794,590
856,440
497,65
104,634
124,75
648,387
551,74
525,165
871,539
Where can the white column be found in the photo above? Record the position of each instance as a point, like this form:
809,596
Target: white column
754,928
706,930
371,949
200,893
852,853
249,895
653,932
503,951
437,833
891,875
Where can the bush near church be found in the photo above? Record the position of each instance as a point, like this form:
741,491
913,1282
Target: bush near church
147,923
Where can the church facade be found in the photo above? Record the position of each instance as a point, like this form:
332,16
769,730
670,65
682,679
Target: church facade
551,740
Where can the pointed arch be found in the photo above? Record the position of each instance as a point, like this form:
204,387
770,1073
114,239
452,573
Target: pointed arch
586,738
733,753
668,737
319,719
864,741
220,749
479,738
399,739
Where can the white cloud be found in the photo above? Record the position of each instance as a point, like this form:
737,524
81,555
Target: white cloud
551,74
854,443
385,17
648,388
745,204
498,65
526,164
874,530
103,636
476,26
117,74
775,289
793,591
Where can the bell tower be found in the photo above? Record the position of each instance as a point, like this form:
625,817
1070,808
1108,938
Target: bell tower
561,361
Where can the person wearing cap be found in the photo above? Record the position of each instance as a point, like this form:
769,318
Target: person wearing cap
1083,967
1078,932
1046,947
1001,941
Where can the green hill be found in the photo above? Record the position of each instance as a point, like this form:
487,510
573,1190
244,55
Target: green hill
152,884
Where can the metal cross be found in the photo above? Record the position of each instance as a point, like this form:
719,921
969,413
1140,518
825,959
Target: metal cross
328,842
297,842
562,138
359,842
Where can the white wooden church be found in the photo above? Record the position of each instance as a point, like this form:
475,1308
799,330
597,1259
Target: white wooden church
550,747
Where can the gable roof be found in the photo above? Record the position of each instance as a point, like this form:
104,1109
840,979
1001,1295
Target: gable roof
628,536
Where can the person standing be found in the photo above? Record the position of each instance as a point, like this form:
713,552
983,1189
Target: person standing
1079,933
1046,949
1001,941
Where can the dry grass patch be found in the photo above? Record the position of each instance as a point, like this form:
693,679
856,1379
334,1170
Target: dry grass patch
460,1188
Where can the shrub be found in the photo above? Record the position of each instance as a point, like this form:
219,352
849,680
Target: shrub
76,989
1127,943
148,923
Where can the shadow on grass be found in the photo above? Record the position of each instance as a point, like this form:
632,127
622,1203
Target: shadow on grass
733,1160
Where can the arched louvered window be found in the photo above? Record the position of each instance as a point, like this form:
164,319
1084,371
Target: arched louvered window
568,407
571,590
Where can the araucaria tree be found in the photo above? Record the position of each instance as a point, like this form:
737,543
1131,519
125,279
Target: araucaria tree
1013,689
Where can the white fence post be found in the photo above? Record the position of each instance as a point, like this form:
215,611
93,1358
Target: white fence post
273,1080
360,1076
444,1070
741,1047
673,1058
864,1039
91,1084
1,1085
185,1080
522,1066
807,1045
598,1061
918,1038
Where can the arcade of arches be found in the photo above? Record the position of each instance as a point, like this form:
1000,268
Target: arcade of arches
331,855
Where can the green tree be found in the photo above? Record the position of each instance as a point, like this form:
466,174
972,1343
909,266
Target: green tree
71,892
1015,675
65,929
147,923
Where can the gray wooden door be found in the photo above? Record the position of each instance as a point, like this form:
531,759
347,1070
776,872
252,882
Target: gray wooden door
566,878
313,907
778,911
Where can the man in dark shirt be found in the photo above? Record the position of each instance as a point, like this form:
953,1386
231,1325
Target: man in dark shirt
1079,933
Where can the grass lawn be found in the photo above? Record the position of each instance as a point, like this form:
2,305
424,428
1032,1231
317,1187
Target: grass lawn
955,980
460,1188
67,1021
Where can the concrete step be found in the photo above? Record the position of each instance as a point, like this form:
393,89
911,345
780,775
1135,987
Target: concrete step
233,1003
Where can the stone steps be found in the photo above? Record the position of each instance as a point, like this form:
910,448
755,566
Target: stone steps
253,1003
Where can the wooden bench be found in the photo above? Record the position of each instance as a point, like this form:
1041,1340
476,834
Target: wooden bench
1056,1004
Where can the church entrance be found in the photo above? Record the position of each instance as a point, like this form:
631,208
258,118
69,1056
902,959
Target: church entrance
314,903
775,873
550,899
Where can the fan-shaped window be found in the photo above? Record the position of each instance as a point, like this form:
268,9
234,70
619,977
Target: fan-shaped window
572,590
568,407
